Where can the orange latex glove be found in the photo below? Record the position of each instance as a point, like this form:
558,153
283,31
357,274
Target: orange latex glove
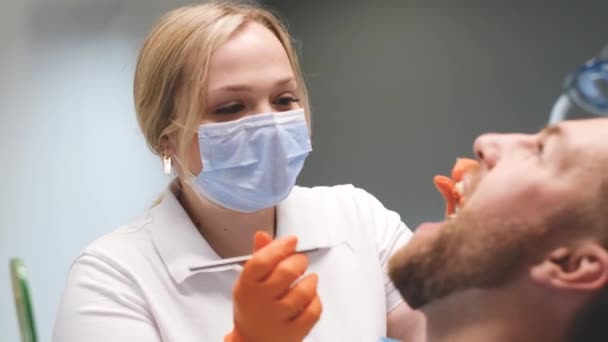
268,306
449,187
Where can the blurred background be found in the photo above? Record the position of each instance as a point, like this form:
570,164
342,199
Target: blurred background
399,89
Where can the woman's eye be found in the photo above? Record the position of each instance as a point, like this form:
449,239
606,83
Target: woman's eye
230,109
286,100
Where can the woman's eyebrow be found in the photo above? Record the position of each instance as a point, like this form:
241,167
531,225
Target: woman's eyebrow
284,81
244,87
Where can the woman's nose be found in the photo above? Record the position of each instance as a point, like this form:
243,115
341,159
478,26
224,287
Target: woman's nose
264,107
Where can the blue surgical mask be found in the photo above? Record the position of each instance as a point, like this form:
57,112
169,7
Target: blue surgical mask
252,163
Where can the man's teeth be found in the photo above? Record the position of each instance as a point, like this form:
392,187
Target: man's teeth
460,188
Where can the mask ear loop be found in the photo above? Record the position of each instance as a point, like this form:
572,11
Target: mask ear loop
188,178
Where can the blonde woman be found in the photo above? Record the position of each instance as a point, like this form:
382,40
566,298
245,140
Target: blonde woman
220,97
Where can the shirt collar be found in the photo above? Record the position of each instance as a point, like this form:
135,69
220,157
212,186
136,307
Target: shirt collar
181,246
177,240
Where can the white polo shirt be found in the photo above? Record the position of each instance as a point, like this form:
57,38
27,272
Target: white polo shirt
135,283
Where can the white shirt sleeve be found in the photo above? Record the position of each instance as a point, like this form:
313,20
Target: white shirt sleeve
390,234
101,304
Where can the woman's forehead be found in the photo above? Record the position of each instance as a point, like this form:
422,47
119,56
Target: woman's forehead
251,52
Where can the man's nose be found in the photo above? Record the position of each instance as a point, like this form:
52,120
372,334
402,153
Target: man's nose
487,149
492,147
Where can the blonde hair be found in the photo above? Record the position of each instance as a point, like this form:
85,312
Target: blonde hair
173,64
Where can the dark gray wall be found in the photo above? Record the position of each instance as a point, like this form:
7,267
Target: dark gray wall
401,88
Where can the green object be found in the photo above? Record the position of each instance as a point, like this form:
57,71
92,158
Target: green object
23,303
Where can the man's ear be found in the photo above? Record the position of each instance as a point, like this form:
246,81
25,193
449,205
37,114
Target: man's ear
583,267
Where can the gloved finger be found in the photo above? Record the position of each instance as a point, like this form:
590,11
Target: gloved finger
299,296
266,259
462,166
445,186
261,239
285,274
309,316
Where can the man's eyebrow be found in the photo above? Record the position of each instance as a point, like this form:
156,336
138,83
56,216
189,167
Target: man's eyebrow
551,130
557,132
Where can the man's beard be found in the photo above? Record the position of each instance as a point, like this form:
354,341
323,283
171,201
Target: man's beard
466,252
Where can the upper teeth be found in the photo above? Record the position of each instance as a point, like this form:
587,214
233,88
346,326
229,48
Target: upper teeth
460,188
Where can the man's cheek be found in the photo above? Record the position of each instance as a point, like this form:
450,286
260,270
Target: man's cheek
499,201
490,198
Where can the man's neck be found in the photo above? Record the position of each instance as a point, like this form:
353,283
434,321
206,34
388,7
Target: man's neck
229,233
480,315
